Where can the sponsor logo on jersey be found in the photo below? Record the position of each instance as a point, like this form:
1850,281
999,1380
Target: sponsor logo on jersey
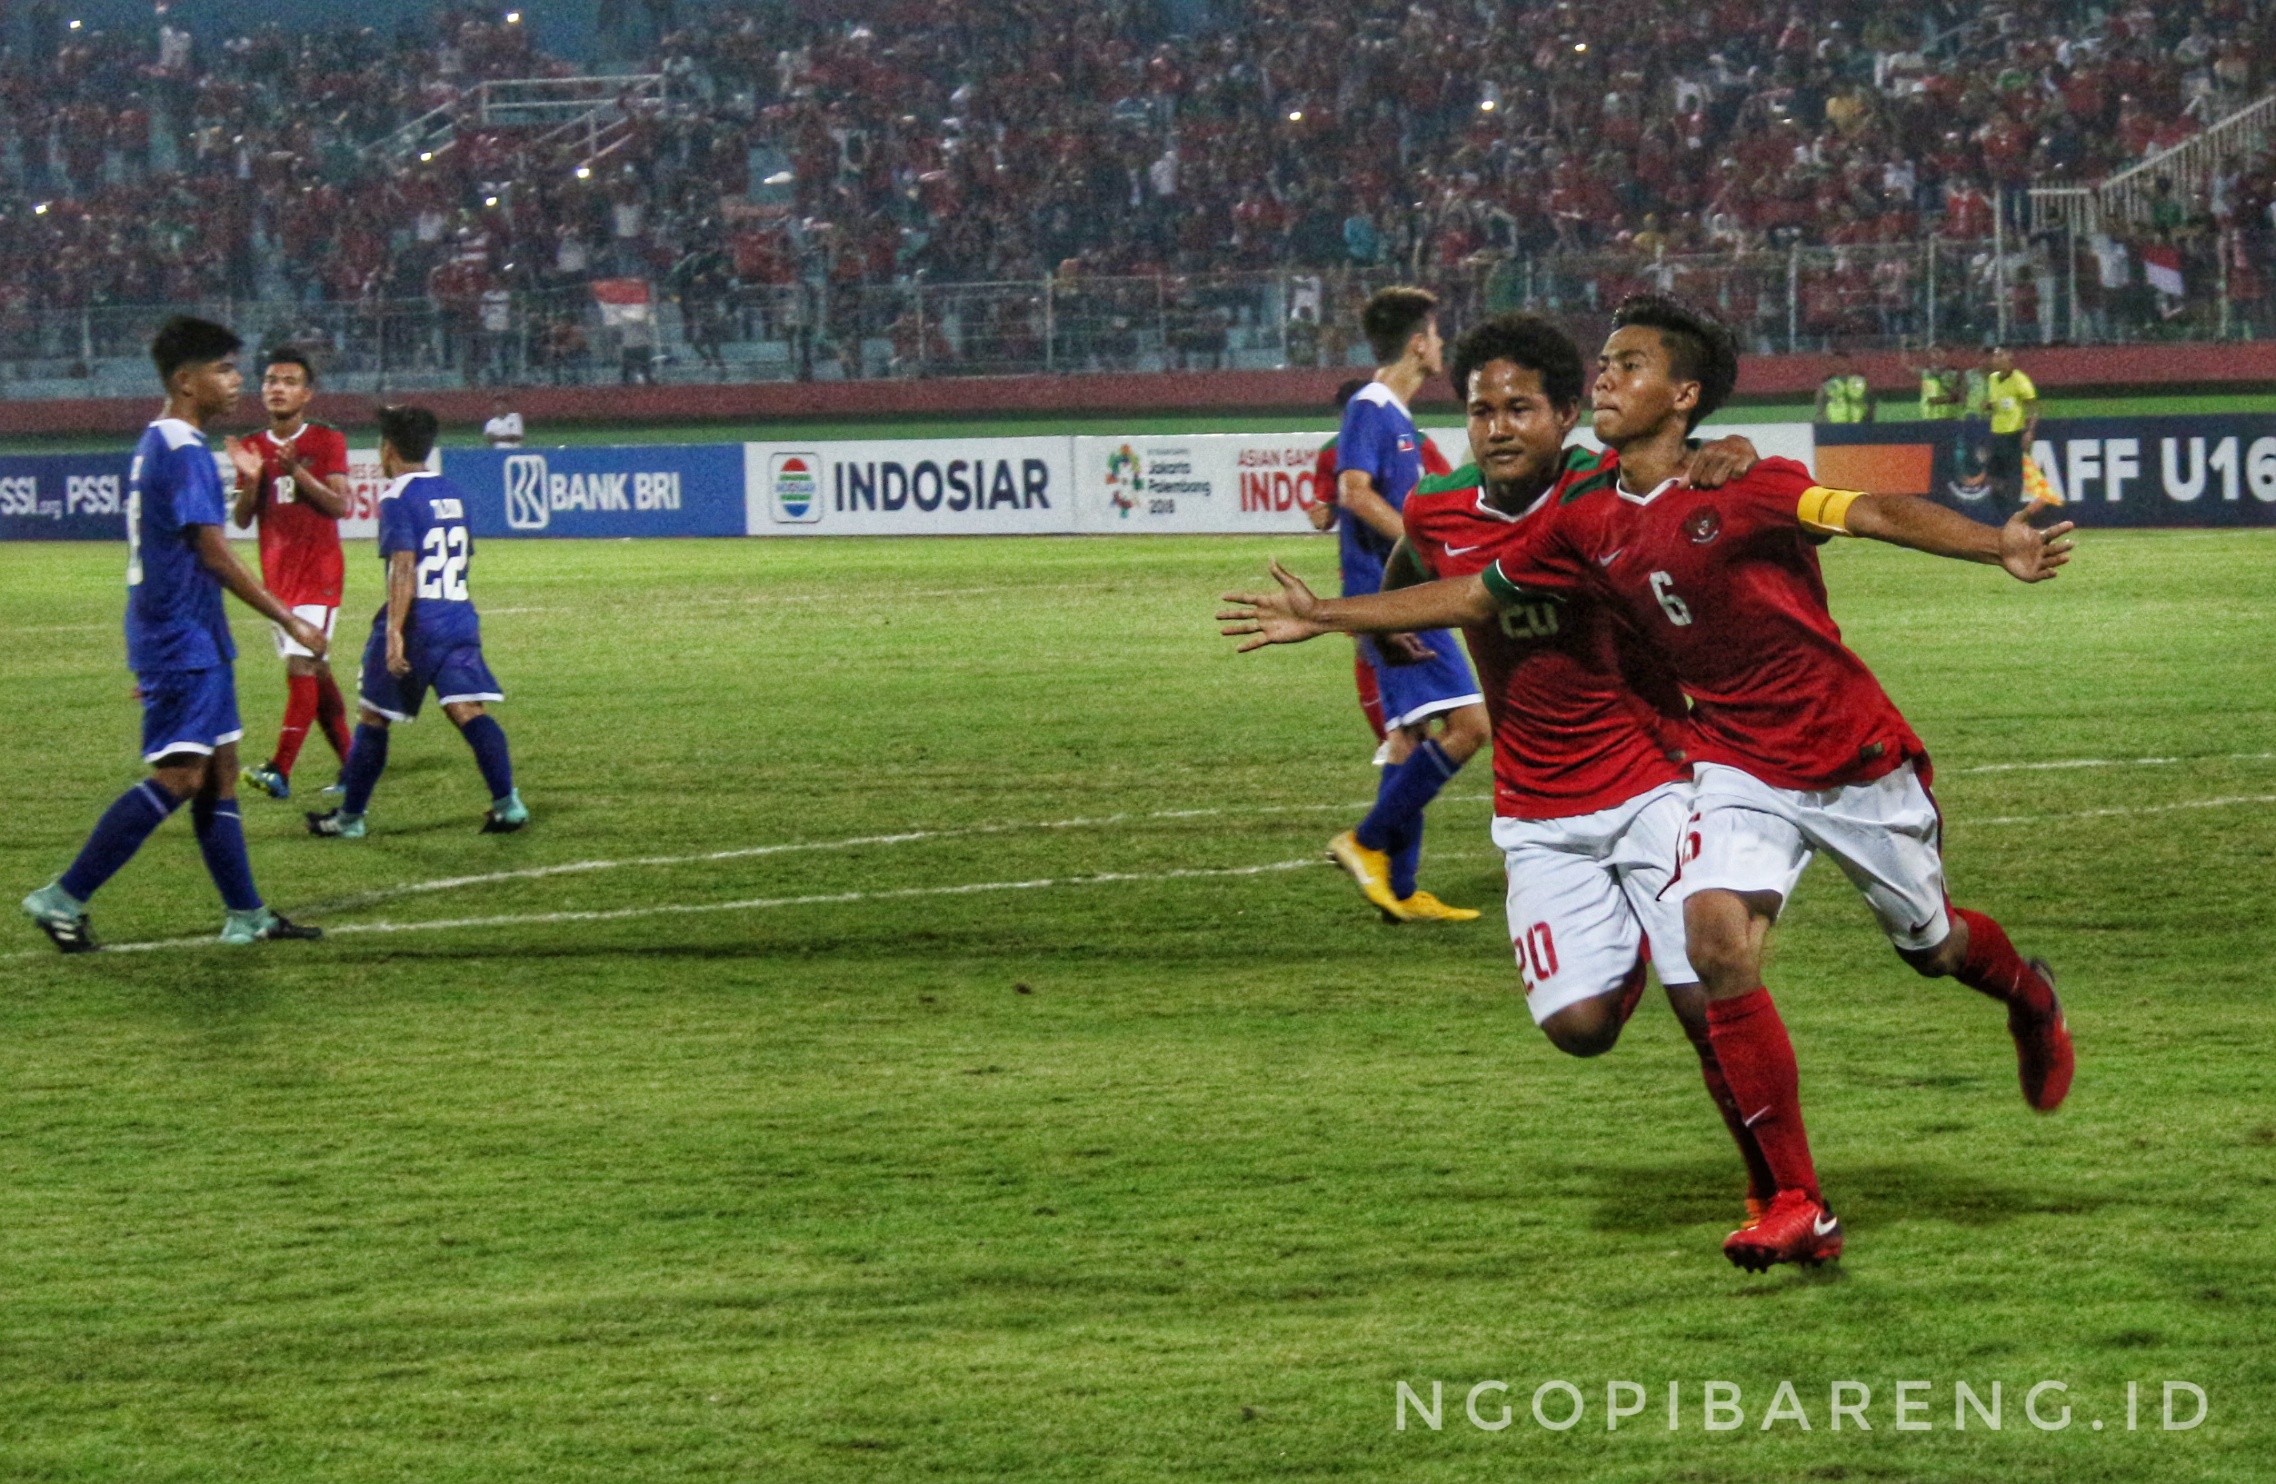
526,506
794,485
1703,525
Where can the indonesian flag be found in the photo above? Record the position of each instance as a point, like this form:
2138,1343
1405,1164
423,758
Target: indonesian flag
623,301
2162,267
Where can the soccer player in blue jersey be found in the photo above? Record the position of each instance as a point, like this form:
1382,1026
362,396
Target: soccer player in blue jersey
427,637
1422,678
178,645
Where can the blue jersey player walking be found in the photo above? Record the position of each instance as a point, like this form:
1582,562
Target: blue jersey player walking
427,637
1422,678
178,645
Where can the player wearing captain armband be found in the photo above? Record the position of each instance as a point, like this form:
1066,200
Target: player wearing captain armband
1795,747
1591,783
427,637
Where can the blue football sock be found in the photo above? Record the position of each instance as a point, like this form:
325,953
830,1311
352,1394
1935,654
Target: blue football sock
1406,855
359,775
488,739
221,840
118,835
1404,793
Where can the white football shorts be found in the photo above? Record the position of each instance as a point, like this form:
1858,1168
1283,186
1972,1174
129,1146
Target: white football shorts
1745,835
315,614
1585,898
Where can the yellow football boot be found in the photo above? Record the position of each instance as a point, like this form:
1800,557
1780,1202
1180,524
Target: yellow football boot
1423,907
1370,868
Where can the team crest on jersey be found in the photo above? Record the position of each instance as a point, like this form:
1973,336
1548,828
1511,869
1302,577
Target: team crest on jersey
1703,526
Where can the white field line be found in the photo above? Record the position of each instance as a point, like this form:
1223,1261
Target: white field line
909,837
2112,762
2224,803
748,904
905,837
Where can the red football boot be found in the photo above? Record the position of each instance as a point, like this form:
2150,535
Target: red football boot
1796,1228
2043,1057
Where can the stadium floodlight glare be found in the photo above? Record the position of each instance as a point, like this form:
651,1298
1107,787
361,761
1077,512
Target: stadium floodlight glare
1295,115
1580,46
780,178
75,25
584,172
489,200
40,210
513,17
424,156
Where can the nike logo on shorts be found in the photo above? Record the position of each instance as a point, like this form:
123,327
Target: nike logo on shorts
1460,550
1611,556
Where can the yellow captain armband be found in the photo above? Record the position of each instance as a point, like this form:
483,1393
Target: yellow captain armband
1825,512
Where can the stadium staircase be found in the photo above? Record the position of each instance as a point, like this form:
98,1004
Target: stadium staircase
2129,195
591,115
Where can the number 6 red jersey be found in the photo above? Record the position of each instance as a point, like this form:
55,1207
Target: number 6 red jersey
300,545
1725,584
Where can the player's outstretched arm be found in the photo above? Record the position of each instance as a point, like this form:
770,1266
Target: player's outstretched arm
2029,553
1295,613
216,557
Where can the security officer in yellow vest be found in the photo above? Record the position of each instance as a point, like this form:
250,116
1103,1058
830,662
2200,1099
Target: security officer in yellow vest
1844,397
1939,388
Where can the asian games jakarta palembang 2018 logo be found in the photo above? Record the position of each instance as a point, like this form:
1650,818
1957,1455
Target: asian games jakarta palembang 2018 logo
1125,479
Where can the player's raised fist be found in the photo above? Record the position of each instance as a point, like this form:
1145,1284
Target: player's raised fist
2029,553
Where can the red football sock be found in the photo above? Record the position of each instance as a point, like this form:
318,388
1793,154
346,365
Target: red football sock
1761,1184
332,713
1993,966
1758,1064
300,710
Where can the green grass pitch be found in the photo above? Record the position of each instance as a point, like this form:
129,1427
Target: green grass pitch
1014,1144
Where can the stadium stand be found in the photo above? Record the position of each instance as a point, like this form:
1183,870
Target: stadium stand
810,192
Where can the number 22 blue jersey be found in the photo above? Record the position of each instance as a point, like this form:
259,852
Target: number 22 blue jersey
425,515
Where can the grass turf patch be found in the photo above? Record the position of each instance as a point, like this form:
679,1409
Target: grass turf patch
1136,1175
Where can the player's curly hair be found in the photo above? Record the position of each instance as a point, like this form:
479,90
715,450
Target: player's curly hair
1530,341
1700,347
1393,317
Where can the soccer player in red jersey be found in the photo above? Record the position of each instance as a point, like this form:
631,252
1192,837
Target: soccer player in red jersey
293,478
1591,784
1796,748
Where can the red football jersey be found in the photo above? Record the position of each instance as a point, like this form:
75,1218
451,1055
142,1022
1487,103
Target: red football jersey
300,545
1585,716
1725,583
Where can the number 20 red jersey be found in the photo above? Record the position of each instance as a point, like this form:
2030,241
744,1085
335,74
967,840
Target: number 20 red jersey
300,545
1725,584
1585,716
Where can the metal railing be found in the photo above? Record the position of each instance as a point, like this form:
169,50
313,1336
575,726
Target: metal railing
2131,195
2044,289
593,112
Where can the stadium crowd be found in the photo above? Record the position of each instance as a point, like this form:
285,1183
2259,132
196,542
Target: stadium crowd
989,140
